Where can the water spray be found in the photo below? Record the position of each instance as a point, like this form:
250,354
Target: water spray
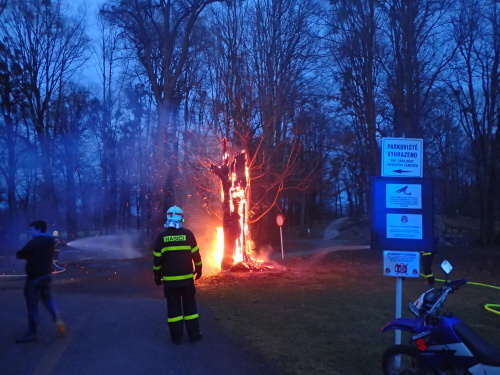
118,246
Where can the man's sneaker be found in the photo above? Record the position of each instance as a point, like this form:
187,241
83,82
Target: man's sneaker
198,337
28,337
60,327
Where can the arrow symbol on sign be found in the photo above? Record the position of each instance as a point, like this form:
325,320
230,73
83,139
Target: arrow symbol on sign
401,171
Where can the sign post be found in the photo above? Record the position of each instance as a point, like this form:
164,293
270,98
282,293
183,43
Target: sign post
401,211
401,264
280,220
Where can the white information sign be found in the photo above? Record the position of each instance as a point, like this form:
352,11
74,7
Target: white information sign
408,196
405,226
402,157
401,263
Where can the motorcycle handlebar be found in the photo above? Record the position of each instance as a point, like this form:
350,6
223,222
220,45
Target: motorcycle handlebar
455,284
442,294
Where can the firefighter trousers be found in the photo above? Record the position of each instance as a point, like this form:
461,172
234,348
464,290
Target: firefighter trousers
427,258
181,309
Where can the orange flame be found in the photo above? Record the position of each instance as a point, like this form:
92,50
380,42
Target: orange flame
220,246
237,202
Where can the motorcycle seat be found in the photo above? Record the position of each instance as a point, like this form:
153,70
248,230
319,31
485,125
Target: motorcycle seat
485,352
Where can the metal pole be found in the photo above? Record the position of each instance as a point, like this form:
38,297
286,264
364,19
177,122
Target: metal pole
399,299
282,252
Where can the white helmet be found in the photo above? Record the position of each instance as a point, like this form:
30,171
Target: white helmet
55,233
174,217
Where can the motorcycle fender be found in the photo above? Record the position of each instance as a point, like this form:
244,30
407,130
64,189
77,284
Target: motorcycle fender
401,324
481,369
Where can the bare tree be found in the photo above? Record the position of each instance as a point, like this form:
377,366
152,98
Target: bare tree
3,5
415,57
476,88
48,47
264,50
107,54
159,32
73,119
449,160
355,48
11,106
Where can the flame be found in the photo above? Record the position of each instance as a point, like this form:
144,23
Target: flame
219,251
237,174
238,253
238,195
242,264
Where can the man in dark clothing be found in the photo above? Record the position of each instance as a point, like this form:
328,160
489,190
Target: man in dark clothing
39,253
175,251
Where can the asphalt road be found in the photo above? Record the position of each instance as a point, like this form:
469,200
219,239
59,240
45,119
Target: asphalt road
117,324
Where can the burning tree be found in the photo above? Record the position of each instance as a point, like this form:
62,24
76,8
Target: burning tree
234,179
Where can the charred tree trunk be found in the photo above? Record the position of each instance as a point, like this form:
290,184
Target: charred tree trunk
234,185
229,239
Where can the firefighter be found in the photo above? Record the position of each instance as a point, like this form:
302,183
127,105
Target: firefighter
426,262
175,251
426,258
59,243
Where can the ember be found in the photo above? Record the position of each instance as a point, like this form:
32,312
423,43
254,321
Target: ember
251,264
255,265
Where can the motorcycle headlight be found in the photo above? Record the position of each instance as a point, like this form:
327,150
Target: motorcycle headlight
426,300
429,299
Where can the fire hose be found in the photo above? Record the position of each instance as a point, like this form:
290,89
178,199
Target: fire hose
58,269
489,306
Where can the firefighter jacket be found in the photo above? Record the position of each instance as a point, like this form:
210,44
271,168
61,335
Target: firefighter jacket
175,251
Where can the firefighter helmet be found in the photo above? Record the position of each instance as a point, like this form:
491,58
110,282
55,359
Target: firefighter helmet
55,233
174,217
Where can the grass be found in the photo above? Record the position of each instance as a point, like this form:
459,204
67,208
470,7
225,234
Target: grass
324,313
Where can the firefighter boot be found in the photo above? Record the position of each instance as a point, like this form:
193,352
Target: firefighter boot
177,340
193,329
195,338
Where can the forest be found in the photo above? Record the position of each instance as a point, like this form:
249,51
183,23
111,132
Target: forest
111,114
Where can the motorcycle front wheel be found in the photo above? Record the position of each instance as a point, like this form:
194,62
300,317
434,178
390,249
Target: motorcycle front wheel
403,360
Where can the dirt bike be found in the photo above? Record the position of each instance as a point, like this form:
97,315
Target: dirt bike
440,343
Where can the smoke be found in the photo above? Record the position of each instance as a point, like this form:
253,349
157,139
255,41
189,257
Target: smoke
263,253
